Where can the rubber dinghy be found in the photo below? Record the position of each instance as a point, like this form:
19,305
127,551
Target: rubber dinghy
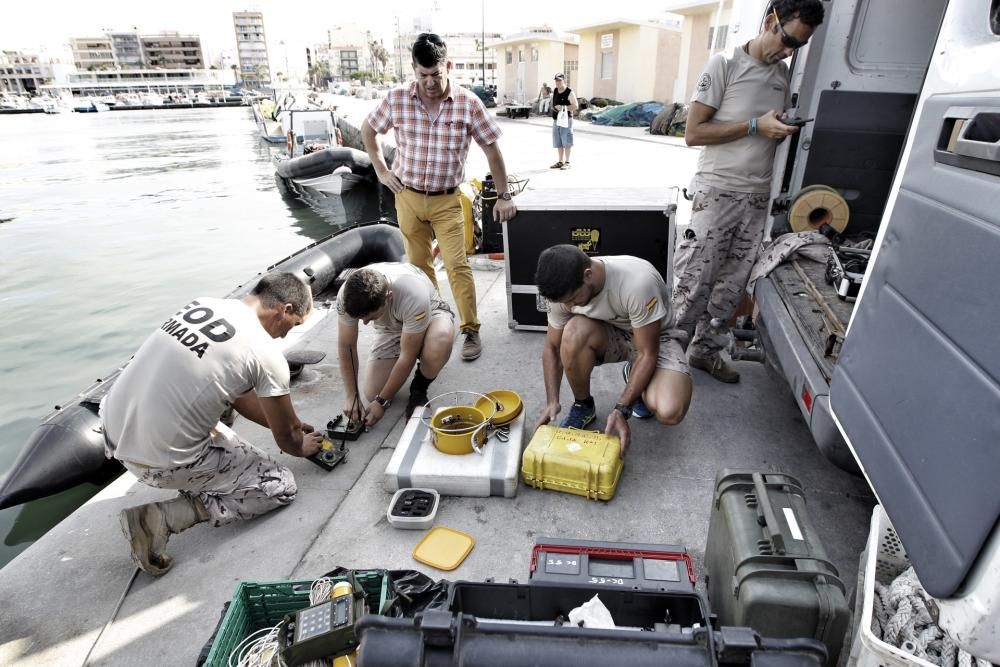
67,448
331,170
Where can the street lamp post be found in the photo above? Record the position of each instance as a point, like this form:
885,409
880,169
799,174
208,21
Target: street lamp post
399,52
482,44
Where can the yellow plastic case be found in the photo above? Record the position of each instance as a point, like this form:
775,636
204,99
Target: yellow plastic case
584,463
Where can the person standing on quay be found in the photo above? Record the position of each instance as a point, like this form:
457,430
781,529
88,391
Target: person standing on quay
434,122
562,137
736,115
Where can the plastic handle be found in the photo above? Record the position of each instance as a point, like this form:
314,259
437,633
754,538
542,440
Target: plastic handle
772,526
808,575
479,449
980,137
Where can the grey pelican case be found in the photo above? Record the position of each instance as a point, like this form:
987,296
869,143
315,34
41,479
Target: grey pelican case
766,567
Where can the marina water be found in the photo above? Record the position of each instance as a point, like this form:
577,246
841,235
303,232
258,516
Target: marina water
108,223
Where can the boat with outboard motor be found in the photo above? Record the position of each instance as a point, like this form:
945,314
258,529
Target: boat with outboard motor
315,157
67,448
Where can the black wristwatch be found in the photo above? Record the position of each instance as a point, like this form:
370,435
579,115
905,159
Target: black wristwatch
504,195
624,409
384,402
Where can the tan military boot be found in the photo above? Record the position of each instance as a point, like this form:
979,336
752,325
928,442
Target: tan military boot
715,367
148,528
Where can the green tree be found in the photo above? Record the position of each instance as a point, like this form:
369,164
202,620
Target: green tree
380,58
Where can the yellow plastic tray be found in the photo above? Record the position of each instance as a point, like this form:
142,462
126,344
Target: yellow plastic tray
444,548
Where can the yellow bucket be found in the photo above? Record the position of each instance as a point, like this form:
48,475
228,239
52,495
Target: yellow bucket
459,429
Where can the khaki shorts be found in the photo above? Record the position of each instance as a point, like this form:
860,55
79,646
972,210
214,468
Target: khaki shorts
621,347
387,343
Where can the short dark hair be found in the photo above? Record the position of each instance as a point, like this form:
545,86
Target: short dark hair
429,50
364,292
560,271
810,12
274,290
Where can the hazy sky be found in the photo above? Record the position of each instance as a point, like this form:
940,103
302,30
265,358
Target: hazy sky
50,23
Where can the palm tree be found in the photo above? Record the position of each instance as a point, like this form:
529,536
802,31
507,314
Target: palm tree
380,56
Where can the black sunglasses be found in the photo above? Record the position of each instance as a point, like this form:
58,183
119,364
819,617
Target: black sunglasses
786,39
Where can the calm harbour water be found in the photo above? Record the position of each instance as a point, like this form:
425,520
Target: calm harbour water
108,222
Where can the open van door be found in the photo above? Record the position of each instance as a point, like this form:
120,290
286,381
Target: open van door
916,392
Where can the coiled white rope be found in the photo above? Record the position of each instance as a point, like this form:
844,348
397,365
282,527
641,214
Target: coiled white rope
901,616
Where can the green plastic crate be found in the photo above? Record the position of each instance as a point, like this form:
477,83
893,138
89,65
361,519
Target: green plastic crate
262,604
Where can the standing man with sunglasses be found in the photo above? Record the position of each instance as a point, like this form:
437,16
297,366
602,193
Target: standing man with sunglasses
435,123
736,115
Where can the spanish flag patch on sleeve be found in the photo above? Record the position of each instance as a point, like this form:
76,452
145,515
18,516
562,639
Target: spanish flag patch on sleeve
651,305
423,313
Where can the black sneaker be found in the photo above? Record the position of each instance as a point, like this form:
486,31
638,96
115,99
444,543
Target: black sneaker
580,416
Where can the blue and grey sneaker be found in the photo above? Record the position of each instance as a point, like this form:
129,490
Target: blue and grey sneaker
639,409
580,416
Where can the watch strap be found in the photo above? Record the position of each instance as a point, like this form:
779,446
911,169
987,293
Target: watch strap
624,409
505,196
384,402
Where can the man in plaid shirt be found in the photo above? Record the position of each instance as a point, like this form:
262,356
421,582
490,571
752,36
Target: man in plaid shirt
434,123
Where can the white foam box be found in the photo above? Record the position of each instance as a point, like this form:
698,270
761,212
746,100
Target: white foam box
417,463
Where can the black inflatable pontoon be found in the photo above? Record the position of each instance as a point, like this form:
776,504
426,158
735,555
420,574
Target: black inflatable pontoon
67,448
324,162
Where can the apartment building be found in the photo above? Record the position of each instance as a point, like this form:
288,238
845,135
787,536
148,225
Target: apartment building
629,61
127,50
131,51
251,49
172,50
703,34
23,73
532,58
91,54
473,62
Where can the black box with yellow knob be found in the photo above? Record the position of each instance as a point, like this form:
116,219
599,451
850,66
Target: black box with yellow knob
600,221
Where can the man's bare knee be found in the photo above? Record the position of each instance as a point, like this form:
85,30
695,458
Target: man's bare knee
671,416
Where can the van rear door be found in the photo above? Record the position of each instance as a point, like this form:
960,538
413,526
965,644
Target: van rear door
917,389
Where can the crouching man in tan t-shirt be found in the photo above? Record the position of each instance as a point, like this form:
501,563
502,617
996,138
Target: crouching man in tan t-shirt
412,324
608,310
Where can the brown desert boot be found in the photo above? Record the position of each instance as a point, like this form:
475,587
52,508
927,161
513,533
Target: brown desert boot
715,367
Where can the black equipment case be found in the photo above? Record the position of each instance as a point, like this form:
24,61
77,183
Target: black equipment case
766,566
601,221
499,625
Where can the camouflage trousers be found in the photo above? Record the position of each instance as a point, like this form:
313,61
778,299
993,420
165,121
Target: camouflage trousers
234,479
712,262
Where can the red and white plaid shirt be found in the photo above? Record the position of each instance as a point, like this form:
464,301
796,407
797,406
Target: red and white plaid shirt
431,152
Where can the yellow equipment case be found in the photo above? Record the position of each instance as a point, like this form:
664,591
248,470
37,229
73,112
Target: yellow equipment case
585,463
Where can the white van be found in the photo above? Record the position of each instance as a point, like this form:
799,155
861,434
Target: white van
906,100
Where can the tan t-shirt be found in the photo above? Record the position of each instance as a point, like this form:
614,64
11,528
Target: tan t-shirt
634,295
739,88
413,298
163,407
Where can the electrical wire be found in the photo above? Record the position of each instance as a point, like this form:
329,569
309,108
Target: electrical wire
514,186
264,651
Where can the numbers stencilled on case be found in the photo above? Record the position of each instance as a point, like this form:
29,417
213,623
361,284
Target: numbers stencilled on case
614,581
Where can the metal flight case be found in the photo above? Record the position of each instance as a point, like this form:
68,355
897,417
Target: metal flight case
600,221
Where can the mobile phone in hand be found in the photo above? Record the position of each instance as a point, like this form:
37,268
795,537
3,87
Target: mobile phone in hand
796,122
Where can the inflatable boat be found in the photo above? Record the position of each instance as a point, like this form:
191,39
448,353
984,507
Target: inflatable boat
329,170
67,448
